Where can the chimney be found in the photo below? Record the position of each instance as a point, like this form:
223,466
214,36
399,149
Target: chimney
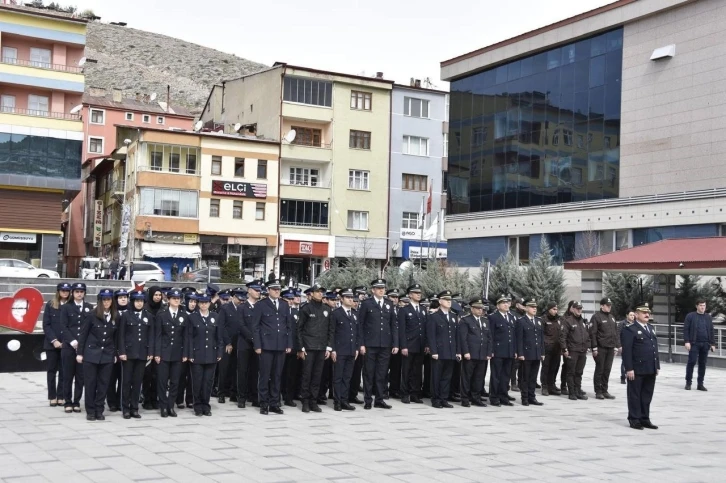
118,95
412,83
138,97
379,75
146,98
418,83
97,92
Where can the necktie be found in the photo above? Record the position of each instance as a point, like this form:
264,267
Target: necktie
139,314
173,315
275,304
479,322
381,304
347,312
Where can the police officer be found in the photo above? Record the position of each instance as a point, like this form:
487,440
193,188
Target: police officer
517,312
531,351
345,349
230,319
113,398
154,303
379,339
575,339
97,353
441,336
642,365
186,392
72,315
326,381
315,337
605,343
503,338
292,370
135,339
355,380
551,323
204,349
627,321
412,341
394,368
53,330
169,353
247,360
475,347
272,340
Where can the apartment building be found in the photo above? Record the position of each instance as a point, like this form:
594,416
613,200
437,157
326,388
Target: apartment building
334,134
41,80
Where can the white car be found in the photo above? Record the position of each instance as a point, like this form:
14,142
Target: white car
148,272
10,267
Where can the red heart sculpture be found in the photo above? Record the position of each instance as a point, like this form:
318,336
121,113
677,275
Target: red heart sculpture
28,304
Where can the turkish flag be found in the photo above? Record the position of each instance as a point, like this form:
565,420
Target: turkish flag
428,201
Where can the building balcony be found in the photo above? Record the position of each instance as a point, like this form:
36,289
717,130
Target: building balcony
39,113
27,73
167,179
319,192
42,65
321,154
306,112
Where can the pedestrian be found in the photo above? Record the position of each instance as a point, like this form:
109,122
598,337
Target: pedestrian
344,349
553,351
113,267
475,346
115,386
131,270
441,336
605,343
315,337
271,275
135,337
52,343
642,366
169,352
575,340
412,342
204,349
187,268
97,353
122,272
105,269
97,270
699,338
502,327
72,315
629,320
530,351
174,271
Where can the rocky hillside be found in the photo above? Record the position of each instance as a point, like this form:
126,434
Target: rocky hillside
144,62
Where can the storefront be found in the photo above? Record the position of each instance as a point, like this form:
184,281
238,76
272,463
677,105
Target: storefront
303,261
38,249
166,254
415,250
214,250
252,260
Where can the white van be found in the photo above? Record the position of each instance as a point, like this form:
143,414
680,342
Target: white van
88,267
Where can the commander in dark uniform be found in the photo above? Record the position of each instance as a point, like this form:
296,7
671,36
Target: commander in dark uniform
503,338
315,337
530,350
412,342
169,338
441,336
475,347
345,349
642,365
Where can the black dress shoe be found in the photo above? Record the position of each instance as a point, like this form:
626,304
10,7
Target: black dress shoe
135,415
416,399
190,405
322,401
290,403
436,405
382,405
465,404
172,413
688,387
572,397
599,396
263,410
622,380
506,403
367,406
313,407
164,413
537,386
582,396
511,398
355,400
221,400
181,406
479,403
336,406
406,400
607,395
100,417
90,417
545,391
127,415
255,404
154,405
147,406
636,425
700,387
277,410
534,402
197,413
525,403
113,409
233,399
454,399
647,424
241,404
446,404
495,404
207,413
347,407
554,391
484,394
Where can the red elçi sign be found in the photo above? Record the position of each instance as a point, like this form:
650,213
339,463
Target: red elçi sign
239,188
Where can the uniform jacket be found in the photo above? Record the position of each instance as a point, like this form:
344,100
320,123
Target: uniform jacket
690,328
345,340
474,340
273,327
378,326
204,341
604,331
96,342
552,327
441,334
52,327
530,338
640,350
295,313
412,329
230,319
72,319
503,337
136,335
170,335
574,336
315,330
247,327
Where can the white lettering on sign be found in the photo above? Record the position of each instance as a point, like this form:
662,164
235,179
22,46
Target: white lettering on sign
11,237
306,248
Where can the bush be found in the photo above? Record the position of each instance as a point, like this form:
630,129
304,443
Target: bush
229,271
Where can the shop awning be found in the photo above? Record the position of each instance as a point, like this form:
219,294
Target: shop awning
170,250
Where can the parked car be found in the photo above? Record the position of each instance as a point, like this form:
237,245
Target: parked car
88,267
148,272
202,275
10,267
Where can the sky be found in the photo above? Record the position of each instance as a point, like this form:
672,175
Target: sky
401,38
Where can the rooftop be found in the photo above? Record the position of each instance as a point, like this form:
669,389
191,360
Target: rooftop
131,104
43,12
326,72
215,134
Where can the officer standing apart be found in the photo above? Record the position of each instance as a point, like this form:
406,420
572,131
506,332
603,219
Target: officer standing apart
345,349
605,341
204,349
531,351
553,350
379,339
502,327
642,365
169,335
272,340
412,341
315,337
475,347
699,338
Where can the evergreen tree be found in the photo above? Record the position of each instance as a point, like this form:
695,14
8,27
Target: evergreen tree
439,276
229,271
544,280
354,272
713,292
686,295
624,291
506,276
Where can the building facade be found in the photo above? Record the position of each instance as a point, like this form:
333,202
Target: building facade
40,139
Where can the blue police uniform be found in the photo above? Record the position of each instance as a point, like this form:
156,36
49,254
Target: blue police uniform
474,338
96,346
169,339
503,339
52,330
640,355
204,347
230,319
441,336
530,345
72,316
378,334
135,339
247,360
273,336
345,346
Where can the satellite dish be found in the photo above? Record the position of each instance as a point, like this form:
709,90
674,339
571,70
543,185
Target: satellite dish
198,125
77,109
82,62
407,265
237,127
153,96
290,136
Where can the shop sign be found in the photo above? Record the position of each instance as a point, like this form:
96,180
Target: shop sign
187,238
411,233
239,188
11,237
416,252
306,248
98,224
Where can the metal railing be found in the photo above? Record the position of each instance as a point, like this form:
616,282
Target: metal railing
118,186
308,184
310,144
40,113
180,170
674,337
42,65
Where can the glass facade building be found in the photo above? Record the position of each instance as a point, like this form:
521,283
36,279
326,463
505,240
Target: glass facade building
539,130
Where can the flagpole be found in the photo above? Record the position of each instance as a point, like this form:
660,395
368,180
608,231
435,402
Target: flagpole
423,228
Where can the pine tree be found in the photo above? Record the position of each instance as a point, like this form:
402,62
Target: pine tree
545,281
686,295
439,276
354,272
715,297
624,291
229,271
506,276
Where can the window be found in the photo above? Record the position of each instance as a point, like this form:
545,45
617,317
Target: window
415,107
446,145
97,116
174,162
95,145
214,208
304,213
129,116
107,219
360,100
146,119
40,57
622,239
237,210
519,249
10,55
414,182
306,136
261,169
160,120
37,105
415,146
239,167
216,165
169,202
304,176
191,163
27,154
409,220
308,91
260,211
156,160
357,220
358,180
7,103
360,139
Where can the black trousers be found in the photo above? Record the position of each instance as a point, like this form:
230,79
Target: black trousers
499,378
95,380
640,394
394,373
426,386
473,373
168,377
528,383
53,367
411,370
185,385
441,372
563,373
113,396
291,377
551,365
247,374
698,352
312,372
456,379
603,365
228,372
575,368
71,370
342,372
268,390
326,381
203,378
133,377
516,374
356,378
374,372
149,385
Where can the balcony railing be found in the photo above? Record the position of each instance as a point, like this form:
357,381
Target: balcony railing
40,113
118,186
180,170
306,184
310,144
303,225
42,65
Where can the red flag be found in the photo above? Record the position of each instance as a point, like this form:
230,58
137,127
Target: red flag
428,201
